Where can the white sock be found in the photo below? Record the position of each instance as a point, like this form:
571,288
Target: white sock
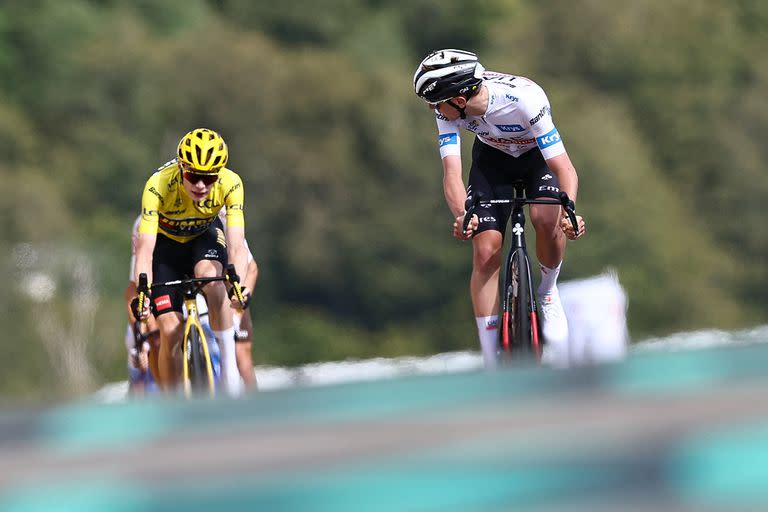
230,376
548,279
488,331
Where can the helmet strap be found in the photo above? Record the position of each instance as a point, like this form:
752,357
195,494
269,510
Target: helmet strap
462,111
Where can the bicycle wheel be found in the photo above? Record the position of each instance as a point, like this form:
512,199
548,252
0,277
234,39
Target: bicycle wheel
197,365
518,300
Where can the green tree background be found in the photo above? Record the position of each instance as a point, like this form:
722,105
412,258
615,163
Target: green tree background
661,104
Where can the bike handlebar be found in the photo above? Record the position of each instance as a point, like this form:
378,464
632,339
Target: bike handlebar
230,275
563,200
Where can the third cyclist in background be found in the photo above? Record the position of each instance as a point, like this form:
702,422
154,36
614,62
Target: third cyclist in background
515,139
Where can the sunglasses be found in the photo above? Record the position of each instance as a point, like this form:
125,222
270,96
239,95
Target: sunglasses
206,178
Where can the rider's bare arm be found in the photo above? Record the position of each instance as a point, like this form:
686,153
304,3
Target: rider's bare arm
453,184
236,250
569,183
562,166
456,195
251,275
145,246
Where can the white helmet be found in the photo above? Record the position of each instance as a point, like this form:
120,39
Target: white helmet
444,74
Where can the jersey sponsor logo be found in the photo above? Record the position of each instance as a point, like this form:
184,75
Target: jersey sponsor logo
511,140
548,188
184,227
208,203
473,125
510,127
545,110
447,138
153,190
235,187
163,303
549,139
511,98
440,116
148,213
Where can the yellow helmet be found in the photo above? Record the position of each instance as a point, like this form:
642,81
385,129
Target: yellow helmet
204,150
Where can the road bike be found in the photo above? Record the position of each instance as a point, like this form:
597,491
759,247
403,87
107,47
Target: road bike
520,327
197,369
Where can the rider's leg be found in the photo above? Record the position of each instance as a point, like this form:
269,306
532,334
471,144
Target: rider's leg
550,244
170,336
484,290
550,248
243,348
220,315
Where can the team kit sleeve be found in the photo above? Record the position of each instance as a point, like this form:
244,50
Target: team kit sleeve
449,137
234,200
151,200
539,118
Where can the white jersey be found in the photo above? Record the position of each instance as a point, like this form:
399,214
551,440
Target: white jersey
518,118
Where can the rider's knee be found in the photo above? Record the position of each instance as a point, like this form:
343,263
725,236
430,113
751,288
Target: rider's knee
487,255
169,326
215,291
545,219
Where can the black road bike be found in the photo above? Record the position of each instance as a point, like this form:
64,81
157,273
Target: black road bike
520,328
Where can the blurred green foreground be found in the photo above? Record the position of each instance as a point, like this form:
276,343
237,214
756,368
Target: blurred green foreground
682,431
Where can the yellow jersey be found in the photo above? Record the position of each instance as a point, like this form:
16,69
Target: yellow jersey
166,208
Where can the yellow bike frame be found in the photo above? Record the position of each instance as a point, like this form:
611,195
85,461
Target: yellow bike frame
193,322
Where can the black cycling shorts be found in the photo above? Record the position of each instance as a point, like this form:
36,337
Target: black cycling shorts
174,260
494,173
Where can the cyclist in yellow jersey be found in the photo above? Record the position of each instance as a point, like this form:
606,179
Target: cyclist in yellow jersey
180,235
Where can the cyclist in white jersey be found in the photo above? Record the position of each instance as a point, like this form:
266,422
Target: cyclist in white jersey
515,140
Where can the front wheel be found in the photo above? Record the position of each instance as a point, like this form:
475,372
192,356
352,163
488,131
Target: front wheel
520,335
198,365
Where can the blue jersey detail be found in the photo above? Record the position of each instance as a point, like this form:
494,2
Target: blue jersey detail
548,139
447,138
510,127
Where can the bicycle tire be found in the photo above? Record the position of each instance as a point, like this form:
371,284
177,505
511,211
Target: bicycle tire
198,373
519,301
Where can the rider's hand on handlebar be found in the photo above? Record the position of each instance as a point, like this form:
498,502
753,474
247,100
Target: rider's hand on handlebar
458,224
565,225
236,304
144,313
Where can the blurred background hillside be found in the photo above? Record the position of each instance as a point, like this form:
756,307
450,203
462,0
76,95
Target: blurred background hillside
661,103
